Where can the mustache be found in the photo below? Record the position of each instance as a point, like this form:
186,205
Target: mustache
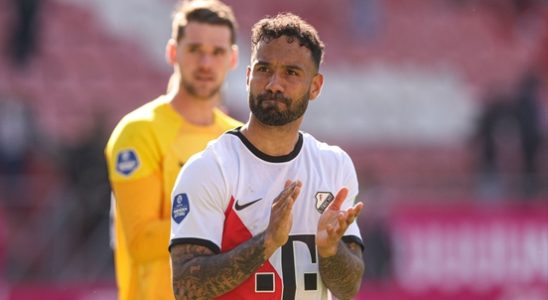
203,71
273,96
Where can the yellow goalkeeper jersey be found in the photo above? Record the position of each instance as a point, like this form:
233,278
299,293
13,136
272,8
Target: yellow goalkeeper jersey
144,154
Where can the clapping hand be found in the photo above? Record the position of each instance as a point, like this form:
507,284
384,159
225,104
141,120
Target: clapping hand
281,217
334,222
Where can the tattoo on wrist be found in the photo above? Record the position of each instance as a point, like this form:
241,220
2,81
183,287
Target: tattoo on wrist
342,272
199,273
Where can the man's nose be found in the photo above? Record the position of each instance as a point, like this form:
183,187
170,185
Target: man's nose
205,59
275,83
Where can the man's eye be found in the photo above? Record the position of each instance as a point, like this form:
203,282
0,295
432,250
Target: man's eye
292,73
219,52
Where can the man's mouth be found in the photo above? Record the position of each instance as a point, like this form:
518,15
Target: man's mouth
204,77
273,99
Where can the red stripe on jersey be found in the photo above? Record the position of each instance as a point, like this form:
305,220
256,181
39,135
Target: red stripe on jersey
234,230
235,233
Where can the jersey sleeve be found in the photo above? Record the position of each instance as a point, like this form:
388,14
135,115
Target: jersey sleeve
350,180
136,180
199,201
132,151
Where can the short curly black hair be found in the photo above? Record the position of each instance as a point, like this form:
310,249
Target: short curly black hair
292,26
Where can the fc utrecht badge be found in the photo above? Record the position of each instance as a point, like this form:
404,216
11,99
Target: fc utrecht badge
180,208
322,200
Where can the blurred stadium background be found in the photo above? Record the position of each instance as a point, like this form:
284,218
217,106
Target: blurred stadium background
443,105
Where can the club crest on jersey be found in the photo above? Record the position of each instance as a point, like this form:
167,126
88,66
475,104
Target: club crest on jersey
127,162
322,200
180,208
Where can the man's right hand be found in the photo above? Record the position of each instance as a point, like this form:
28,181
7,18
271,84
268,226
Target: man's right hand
281,219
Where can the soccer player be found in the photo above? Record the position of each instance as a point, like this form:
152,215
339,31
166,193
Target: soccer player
267,211
150,144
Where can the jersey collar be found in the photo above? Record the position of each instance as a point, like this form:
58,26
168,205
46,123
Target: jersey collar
264,156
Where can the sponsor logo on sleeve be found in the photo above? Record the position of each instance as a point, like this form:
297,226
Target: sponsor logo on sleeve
322,200
181,208
127,162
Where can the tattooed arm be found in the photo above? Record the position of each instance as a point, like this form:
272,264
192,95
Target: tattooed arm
198,273
341,264
343,271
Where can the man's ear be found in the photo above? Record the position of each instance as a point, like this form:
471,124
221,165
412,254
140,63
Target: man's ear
247,74
171,51
316,86
234,57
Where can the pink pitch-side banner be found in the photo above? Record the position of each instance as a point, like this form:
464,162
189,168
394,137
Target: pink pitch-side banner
471,250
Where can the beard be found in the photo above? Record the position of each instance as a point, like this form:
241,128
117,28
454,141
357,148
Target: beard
191,89
270,114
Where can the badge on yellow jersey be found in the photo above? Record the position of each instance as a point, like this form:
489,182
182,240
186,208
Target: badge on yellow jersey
127,162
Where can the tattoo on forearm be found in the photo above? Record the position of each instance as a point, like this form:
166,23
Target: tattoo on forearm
198,274
343,271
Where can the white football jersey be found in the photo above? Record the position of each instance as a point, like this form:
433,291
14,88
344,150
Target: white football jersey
223,197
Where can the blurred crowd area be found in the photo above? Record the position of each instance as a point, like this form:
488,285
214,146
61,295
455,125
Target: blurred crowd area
456,116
